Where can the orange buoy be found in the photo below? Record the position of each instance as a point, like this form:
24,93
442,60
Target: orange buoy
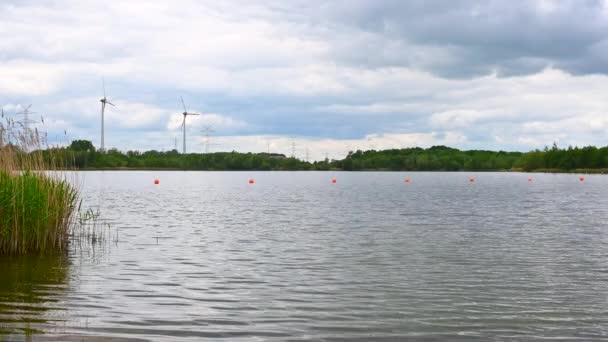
333,180
471,179
251,181
156,181
582,179
407,180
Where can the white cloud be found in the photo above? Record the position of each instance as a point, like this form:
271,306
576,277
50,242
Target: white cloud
460,119
28,78
259,63
334,148
124,115
216,121
590,124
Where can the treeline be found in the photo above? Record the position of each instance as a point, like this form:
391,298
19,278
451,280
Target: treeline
441,158
82,155
572,158
436,158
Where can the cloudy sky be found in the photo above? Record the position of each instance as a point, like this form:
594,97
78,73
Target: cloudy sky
331,76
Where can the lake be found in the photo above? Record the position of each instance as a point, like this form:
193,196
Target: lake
205,255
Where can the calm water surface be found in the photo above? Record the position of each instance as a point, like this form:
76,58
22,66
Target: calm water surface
294,257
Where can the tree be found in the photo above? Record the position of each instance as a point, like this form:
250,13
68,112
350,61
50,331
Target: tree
82,146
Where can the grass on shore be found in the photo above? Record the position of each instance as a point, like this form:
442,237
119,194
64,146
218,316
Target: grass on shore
36,206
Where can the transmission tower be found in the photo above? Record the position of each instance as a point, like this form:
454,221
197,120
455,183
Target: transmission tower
207,130
370,144
26,118
293,147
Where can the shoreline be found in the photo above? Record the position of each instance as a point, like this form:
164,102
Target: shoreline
555,171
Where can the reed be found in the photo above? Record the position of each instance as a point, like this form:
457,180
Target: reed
37,205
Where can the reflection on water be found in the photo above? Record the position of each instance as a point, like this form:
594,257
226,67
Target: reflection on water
206,255
30,290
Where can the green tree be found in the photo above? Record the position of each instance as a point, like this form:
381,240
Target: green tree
82,146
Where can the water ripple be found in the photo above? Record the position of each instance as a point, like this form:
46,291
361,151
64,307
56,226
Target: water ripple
207,256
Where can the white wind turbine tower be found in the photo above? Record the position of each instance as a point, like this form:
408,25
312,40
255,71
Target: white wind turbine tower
185,114
104,101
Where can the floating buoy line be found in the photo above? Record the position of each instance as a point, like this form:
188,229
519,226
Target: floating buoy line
407,180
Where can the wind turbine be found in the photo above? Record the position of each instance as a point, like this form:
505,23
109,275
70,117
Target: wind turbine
185,114
104,101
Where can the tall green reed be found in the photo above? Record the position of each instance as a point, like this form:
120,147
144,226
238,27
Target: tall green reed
36,206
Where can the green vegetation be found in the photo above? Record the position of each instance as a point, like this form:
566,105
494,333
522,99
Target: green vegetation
35,211
436,158
441,158
36,206
588,158
84,156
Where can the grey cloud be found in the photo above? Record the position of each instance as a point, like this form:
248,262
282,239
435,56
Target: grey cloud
320,69
472,37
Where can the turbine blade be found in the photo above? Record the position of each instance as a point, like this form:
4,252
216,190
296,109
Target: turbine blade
110,103
183,104
103,83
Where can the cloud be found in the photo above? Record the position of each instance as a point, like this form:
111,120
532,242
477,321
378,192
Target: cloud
204,120
466,38
469,74
318,149
28,78
461,119
594,124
